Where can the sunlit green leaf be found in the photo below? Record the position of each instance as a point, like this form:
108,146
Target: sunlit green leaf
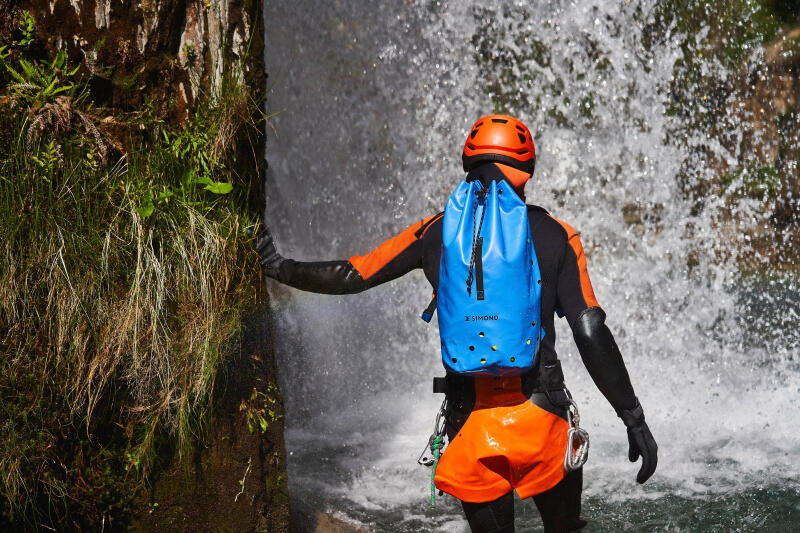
145,210
203,179
219,187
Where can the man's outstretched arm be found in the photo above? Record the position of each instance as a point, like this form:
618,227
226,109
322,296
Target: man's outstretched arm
600,353
392,259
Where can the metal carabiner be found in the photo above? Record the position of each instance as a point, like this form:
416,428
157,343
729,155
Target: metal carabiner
577,451
438,426
427,457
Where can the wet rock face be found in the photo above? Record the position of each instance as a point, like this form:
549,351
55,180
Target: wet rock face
767,95
166,50
765,106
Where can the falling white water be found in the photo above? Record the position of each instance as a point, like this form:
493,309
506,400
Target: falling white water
375,100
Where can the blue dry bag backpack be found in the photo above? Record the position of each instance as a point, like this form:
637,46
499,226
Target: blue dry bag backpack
489,295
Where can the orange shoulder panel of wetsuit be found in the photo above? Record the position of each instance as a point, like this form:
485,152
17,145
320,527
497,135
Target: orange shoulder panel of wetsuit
586,284
517,177
367,265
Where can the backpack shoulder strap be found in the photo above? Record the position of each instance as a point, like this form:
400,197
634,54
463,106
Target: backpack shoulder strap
537,208
421,231
427,314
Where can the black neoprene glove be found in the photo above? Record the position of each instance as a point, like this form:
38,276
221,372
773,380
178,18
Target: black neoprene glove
265,246
640,441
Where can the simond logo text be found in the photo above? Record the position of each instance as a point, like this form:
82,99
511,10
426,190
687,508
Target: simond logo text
479,318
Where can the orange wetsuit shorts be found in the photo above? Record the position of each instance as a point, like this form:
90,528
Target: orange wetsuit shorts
506,443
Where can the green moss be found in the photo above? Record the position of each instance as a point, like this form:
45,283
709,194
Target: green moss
586,106
727,30
277,488
759,182
516,66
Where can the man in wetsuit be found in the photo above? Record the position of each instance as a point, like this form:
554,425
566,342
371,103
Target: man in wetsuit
505,433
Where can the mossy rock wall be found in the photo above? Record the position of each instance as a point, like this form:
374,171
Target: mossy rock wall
238,481
166,51
154,54
163,57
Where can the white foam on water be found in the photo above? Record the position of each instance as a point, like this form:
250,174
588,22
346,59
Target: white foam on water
377,98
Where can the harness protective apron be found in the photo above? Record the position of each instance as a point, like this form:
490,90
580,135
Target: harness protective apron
507,442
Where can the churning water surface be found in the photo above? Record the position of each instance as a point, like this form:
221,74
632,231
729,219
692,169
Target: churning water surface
375,99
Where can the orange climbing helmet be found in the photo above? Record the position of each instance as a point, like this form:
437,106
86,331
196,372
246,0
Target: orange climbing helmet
502,139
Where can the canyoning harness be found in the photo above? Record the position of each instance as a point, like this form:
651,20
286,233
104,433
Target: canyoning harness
549,381
435,448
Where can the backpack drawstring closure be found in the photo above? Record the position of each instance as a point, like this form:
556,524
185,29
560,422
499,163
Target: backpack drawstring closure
481,198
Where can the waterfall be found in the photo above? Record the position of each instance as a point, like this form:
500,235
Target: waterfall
375,100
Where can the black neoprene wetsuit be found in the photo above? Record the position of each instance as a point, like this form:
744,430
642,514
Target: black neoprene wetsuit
566,290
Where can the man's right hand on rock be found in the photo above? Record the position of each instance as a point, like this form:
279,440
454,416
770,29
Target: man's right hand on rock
269,257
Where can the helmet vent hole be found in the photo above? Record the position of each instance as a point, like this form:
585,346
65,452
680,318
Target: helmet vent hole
471,146
500,120
471,348
455,360
473,134
479,125
521,138
521,152
520,128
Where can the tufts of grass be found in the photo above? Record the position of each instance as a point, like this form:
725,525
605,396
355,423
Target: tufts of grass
125,269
